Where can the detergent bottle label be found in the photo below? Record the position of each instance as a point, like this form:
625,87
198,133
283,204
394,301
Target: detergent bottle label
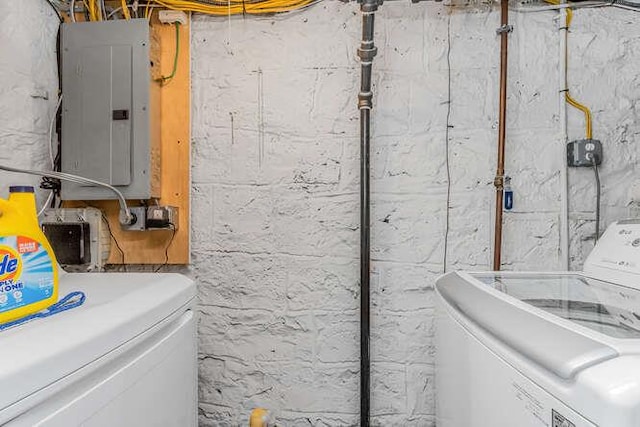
26,272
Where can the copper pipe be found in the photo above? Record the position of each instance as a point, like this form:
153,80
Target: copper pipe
502,123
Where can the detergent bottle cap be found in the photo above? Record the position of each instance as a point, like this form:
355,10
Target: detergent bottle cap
21,189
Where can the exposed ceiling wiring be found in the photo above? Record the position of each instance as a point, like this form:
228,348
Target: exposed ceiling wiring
567,94
526,7
236,7
97,11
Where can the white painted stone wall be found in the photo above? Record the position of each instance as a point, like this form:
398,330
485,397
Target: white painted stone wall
28,87
275,183
276,202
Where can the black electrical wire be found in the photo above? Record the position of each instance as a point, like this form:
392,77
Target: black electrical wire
594,162
166,249
446,144
104,218
55,9
51,184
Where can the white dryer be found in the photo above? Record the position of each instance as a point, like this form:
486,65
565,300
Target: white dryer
127,357
543,349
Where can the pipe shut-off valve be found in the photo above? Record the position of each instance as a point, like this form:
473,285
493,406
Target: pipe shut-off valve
503,184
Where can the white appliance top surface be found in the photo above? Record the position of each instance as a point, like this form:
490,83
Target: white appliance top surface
118,307
603,307
616,256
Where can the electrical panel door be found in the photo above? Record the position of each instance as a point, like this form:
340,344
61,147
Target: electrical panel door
108,122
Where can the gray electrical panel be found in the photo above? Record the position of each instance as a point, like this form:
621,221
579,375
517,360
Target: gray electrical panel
110,109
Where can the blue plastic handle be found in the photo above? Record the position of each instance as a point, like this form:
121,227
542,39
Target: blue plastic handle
508,200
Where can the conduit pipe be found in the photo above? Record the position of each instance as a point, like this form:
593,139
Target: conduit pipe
366,52
498,182
564,173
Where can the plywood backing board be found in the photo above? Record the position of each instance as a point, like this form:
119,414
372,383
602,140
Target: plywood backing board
158,246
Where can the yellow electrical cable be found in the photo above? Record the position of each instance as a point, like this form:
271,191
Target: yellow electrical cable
219,7
569,17
91,8
234,7
567,95
125,9
98,10
585,110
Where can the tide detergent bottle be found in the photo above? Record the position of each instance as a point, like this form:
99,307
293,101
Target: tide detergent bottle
28,268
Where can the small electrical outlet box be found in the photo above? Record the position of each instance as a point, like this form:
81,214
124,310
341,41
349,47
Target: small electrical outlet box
162,218
139,216
583,152
172,16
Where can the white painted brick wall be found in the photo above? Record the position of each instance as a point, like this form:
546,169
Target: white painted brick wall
282,241
275,240
28,92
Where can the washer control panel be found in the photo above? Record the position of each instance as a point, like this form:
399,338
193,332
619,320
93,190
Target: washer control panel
617,249
559,420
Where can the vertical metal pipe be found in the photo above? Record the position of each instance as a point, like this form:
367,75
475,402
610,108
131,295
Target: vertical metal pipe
366,52
564,173
365,267
504,31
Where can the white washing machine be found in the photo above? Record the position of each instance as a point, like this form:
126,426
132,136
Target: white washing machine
127,357
543,349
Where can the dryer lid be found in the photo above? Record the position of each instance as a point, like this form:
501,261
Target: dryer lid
119,307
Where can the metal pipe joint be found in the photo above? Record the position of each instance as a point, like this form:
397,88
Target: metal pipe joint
367,51
369,5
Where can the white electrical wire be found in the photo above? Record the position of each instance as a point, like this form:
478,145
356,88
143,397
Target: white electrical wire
72,10
46,204
51,128
128,217
113,12
119,9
